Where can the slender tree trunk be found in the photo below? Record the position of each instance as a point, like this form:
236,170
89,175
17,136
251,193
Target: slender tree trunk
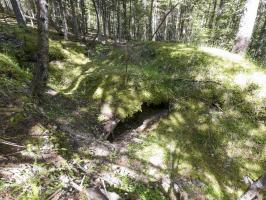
74,18
33,6
262,37
154,20
246,26
219,12
1,7
109,24
64,21
118,21
181,23
97,19
41,70
130,20
125,27
83,17
104,18
151,20
18,12
212,18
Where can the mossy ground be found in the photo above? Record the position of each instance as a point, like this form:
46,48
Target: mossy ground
215,132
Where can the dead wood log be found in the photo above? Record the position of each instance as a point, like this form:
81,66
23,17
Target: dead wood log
10,143
254,189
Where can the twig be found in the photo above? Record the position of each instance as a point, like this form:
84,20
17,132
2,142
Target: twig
104,187
79,188
196,81
54,194
11,143
82,181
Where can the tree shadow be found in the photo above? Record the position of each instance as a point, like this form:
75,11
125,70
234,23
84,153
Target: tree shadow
213,129
214,146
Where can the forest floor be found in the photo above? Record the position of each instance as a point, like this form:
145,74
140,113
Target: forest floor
146,120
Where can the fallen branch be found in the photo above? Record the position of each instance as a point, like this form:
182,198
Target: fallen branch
11,143
254,188
164,18
55,194
195,81
80,189
11,109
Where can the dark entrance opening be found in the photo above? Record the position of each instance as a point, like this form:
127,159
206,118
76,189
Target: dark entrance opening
140,121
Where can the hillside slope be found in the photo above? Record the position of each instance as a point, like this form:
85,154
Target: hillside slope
180,119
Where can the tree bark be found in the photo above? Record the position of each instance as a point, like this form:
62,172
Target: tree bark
83,17
97,20
41,70
261,39
74,18
212,18
119,32
219,12
18,12
125,23
151,20
64,21
246,26
181,23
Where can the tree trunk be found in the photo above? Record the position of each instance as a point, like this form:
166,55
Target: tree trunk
219,12
75,19
97,20
261,39
41,70
119,33
130,20
151,20
246,26
83,17
1,7
125,32
18,12
181,23
212,18
103,6
33,6
64,21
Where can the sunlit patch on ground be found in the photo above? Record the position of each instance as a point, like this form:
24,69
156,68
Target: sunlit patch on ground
257,78
222,54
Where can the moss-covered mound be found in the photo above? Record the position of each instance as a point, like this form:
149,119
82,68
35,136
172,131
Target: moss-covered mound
214,132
